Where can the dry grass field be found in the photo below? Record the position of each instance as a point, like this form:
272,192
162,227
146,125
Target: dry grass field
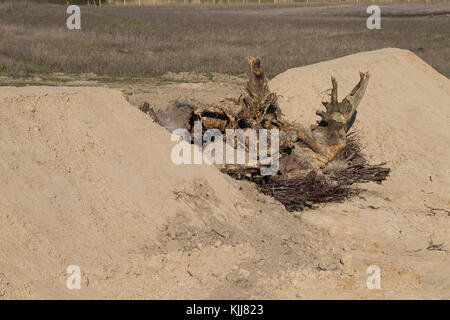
131,41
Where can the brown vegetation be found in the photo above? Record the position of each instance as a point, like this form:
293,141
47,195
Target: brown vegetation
147,41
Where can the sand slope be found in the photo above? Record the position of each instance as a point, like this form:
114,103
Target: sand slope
404,120
86,179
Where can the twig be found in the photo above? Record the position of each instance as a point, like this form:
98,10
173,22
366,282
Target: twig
218,233
436,247
438,209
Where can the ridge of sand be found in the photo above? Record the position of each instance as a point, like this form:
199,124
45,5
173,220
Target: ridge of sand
86,179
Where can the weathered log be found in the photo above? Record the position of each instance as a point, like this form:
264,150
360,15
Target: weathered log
178,115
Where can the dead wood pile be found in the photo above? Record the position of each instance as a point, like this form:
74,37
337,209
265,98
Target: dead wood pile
316,165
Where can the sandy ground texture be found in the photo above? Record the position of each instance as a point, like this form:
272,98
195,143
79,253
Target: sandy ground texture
86,179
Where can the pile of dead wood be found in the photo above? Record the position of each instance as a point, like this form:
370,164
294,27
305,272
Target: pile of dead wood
319,164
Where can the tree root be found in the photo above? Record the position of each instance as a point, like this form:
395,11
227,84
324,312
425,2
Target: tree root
316,165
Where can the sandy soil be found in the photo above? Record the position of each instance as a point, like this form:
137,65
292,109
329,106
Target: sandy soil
86,179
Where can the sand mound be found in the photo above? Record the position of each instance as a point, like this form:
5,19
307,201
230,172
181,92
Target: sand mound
86,179
403,117
404,120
